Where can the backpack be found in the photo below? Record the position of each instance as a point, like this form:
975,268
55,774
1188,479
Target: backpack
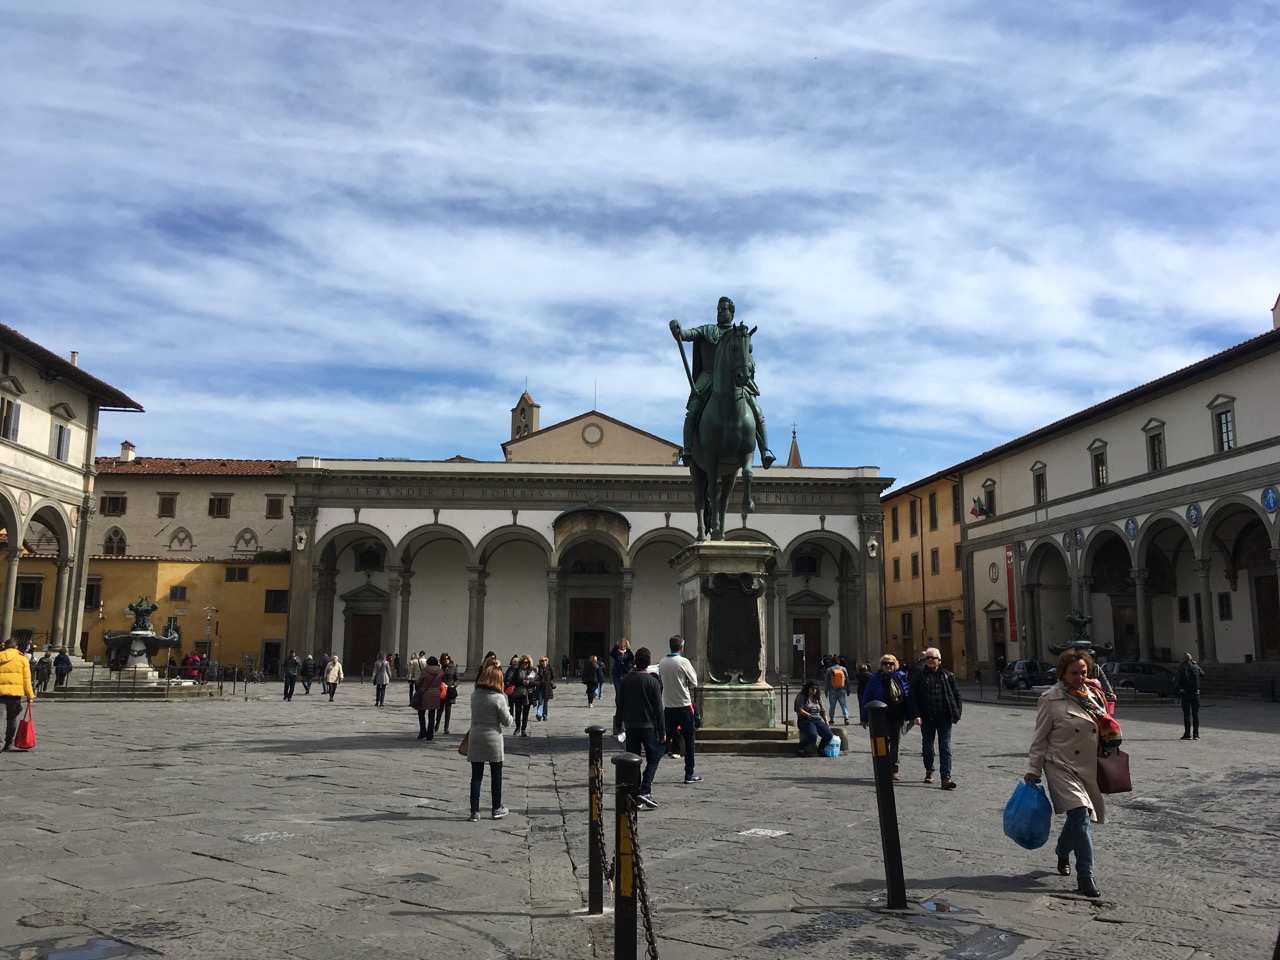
837,678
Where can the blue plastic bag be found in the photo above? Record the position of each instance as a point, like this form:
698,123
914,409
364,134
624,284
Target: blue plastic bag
1027,816
832,749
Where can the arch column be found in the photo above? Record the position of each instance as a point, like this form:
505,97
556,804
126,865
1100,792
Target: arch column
391,633
1210,652
781,629
406,594
476,576
1146,646
58,628
13,554
628,580
554,653
325,587
845,597
1086,595
1031,624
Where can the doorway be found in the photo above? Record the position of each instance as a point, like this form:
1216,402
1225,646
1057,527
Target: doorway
589,630
811,656
366,642
1266,592
999,648
271,657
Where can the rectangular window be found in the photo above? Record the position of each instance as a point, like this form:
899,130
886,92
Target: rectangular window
897,569
60,443
893,523
30,593
1100,468
957,515
277,601
237,574
9,415
168,505
1224,606
944,623
1225,430
1155,452
93,594
933,510
934,565
220,507
989,501
915,566
914,519
1040,486
906,626
178,593
113,505
1184,609
275,508
171,626
959,557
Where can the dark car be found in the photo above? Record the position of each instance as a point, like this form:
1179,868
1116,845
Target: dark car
1141,676
1025,674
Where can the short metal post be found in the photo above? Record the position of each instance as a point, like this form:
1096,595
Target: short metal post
595,822
890,842
627,770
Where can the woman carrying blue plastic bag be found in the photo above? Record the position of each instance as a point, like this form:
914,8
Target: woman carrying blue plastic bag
1027,816
1072,724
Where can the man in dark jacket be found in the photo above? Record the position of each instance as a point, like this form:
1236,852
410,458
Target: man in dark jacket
934,704
639,713
1186,685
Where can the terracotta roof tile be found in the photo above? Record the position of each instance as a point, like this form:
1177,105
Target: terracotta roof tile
191,467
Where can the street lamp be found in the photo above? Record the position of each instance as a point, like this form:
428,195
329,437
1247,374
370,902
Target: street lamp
208,640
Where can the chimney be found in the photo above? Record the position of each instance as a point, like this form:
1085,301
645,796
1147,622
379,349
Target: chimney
75,358
126,452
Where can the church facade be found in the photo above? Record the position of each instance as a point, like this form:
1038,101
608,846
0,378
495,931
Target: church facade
563,548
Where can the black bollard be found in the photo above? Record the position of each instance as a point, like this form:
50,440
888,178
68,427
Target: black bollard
595,828
890,842
627,771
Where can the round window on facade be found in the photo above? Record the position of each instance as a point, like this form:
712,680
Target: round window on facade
592,434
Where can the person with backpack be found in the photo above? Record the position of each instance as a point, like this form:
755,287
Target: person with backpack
890,687
837,682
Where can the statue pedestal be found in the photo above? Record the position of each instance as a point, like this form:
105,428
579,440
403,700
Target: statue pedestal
722,616
139,674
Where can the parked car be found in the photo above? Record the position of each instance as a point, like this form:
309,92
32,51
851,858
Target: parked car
1141,676
1025,674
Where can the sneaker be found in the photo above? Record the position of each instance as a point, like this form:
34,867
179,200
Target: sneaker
475,816
693,778
500,813
646,800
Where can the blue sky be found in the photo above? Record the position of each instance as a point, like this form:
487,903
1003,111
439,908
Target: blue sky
359,229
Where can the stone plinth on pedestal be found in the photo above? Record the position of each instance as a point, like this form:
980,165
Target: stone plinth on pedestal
722,616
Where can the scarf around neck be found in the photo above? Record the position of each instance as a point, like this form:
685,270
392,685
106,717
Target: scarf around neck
1094,702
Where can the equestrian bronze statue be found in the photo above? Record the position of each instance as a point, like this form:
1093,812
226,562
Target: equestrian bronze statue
723,423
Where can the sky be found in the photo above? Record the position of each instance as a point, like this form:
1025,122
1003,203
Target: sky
360,230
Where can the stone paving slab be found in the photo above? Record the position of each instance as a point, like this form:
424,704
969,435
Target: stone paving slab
258,828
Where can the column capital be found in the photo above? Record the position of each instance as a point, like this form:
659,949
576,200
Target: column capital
1203,568
1086,581
1139,575
1275,558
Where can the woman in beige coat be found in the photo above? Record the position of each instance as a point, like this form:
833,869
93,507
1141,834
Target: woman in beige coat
1065,750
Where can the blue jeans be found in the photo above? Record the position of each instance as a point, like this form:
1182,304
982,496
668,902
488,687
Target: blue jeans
646,738
837,696
495,785
289,682
928,728
306,684
681,717
813,730
1076,835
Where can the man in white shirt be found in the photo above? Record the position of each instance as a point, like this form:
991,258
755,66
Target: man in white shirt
414,670
679,680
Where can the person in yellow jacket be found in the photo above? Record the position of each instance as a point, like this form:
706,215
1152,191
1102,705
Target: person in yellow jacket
15,684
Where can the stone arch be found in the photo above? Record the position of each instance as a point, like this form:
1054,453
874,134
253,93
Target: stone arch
510,533
749,533
1097,536
53,516
420,537
591,536
1047,591
114,543
344,535
246,541
181,541
662,535
1108,591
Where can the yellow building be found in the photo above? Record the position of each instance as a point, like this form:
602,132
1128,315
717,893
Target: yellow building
230,609
923,572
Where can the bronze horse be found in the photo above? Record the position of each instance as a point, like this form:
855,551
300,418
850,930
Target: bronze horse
725,439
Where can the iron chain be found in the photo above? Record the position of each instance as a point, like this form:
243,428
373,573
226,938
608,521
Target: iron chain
642,891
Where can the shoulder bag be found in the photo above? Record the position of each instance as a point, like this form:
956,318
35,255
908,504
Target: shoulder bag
465,743
25,737
1113,772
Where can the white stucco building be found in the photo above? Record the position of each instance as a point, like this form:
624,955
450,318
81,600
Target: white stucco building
563,548
1154,512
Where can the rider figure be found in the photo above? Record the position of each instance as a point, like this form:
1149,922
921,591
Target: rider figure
707,337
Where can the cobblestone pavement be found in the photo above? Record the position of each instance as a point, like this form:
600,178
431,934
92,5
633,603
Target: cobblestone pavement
263,829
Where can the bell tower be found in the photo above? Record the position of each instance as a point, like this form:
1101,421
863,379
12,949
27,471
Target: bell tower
524,417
